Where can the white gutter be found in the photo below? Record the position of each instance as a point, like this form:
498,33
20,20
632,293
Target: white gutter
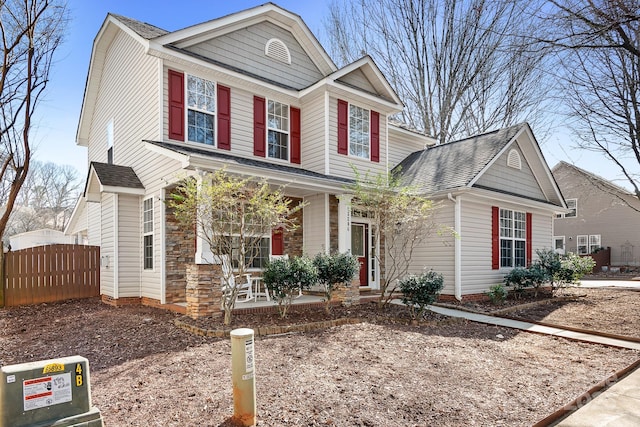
458,248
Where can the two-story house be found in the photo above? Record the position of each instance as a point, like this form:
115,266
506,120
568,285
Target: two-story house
254,92
602,214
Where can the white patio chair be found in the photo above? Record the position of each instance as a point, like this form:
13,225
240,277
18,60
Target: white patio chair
243,282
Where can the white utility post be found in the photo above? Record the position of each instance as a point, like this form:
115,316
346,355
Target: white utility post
243,376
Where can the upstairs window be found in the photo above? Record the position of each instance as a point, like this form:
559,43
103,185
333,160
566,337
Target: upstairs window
358,132
572,204
278,130
201,109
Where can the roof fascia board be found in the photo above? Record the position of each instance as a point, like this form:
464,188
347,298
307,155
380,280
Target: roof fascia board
339,88
547,171
182,158
367,63
122,190
284,178
75,215
515,200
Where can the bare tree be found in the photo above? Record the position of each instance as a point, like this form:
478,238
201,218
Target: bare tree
597,43
594,24
30,32
603,92
46,199
460,67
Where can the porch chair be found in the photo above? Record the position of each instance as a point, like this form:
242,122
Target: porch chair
243,282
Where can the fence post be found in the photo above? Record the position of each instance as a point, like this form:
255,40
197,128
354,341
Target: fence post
3,274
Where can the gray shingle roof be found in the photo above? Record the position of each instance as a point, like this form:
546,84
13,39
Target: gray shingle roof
456,164
188,150
116,176
143,29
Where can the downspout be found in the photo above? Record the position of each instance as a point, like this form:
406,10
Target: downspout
457,249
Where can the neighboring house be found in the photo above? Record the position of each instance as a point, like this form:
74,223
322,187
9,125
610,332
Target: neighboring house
602,214
254,92
45,236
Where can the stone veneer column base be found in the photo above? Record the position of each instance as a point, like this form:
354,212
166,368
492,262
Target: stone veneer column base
348,295
203,291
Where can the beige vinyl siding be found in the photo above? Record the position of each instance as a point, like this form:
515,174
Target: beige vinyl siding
312,134
107,252
245,50
128,96
437,252
357,79
502,177
401,145
476,222
82,223
314,224
94,223
129,246
340,164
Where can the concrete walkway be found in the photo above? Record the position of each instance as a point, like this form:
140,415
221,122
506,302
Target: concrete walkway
617,406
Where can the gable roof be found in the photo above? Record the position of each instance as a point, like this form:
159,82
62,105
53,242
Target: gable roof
593,178
270,12
108,178
456,164
460,164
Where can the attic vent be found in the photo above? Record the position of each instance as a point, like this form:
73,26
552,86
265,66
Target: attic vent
276,49
513,160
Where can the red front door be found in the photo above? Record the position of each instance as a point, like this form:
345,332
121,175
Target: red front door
359,248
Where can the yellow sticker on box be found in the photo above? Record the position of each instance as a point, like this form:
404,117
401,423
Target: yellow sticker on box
53,367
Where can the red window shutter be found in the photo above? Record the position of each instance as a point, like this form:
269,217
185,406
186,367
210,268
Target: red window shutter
224,118
176,105
529,243
259,126
295,135
343,127
277,242
495,238
375,136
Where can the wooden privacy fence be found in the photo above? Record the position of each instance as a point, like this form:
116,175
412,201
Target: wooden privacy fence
51,273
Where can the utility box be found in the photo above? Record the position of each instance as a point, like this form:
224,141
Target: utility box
52,392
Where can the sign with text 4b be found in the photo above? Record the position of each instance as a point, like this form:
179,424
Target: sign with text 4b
47,392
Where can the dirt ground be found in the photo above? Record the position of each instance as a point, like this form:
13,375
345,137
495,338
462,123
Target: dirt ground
381,372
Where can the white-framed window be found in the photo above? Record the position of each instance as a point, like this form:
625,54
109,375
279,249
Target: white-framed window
277,130
558,244
573,205
583,244
513,238
147,233
594,243
359,131
258,251
201,110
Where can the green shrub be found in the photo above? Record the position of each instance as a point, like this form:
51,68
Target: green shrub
420,291
497,293
523,278
563,271
334,271
286,277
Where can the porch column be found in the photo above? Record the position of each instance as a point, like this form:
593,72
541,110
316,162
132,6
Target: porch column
203,291
344,222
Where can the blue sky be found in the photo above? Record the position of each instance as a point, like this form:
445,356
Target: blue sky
58,115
